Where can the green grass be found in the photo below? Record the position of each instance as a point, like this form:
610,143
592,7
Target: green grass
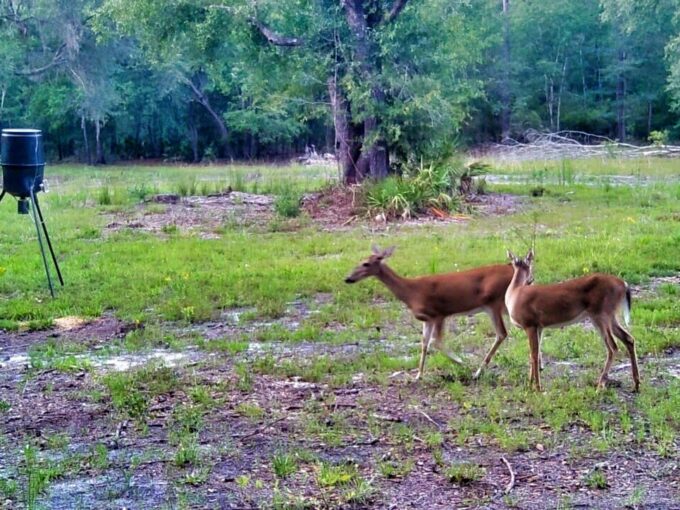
162,284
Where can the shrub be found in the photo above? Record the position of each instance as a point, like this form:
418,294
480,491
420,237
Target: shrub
435,186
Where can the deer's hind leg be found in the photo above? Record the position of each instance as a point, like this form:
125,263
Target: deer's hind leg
501,334
438,342
605,330
629,344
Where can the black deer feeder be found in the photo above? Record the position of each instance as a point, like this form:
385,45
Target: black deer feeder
23,167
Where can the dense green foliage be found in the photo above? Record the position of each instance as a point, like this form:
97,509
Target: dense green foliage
194,79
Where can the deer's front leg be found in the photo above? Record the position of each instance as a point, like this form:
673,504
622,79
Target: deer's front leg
534,350
427,333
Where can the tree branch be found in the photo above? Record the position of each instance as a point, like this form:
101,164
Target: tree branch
396,9
273,37
57,60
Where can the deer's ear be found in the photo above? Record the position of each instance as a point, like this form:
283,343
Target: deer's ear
375,249
530,257
510,255
388,252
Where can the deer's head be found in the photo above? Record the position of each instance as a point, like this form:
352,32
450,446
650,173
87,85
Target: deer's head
524,268
370,266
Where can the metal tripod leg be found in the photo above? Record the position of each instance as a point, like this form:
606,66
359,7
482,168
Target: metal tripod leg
47,236
42,248
2,195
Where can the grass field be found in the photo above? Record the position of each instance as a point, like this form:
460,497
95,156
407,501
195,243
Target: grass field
228,366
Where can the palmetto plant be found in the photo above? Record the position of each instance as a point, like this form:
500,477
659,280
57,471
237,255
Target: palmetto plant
433,186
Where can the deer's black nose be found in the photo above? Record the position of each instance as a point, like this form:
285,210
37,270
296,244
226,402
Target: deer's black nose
349,280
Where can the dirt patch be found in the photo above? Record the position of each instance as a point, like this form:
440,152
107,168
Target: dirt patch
360,426
651,288
68,329
204,215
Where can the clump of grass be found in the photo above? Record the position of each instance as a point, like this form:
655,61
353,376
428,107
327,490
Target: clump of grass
395,468
464,473
284,464
287,203
132,391
187,452
332,475
104,195
187,187
596,479
252,411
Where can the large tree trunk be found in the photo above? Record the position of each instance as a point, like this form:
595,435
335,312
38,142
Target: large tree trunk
83,127
99,149
505,81
374,161
343,133
217,118
621,100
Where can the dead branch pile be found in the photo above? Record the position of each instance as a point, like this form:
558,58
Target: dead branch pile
573,145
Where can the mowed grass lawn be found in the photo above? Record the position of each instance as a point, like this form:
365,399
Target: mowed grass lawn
176,281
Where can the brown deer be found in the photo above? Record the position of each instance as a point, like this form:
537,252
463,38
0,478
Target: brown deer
597,297
431,299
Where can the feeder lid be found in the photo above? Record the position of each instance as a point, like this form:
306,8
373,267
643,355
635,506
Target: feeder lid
20,132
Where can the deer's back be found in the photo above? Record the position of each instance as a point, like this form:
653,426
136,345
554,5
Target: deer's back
454,293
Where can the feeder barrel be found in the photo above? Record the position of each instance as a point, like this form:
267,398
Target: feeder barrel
23,161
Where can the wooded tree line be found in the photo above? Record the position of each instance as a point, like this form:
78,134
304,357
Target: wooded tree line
382,83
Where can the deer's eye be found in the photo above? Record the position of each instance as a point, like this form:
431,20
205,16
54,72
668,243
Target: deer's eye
365,264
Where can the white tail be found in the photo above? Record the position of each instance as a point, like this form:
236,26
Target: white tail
432,299
626,306
596,297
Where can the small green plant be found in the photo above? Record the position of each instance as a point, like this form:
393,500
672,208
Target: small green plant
659,138
252,411
99,457
8,487
464,473
104,195
332,475
245,377
187,187
197,476
187,452
4,406
395,468
284,464
596,479
287,204
360,492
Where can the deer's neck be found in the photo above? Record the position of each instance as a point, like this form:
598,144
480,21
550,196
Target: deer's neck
402,288
519,279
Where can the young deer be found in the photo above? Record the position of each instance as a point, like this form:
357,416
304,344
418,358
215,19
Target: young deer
597,297
432,299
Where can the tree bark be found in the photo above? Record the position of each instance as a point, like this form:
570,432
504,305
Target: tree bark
83,126
204,101
505,80
99,150
374,154
343,134
621,100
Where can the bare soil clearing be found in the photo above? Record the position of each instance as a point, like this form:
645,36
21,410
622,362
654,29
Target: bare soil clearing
203,215
361,425
335,208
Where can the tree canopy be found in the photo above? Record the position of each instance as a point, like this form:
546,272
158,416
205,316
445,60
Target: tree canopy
381,83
